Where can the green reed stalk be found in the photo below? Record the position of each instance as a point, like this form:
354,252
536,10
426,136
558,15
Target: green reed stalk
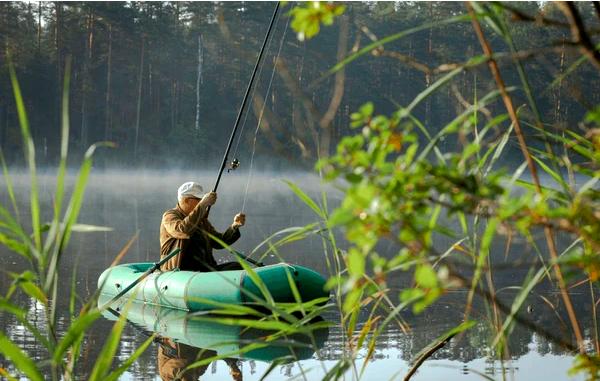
523,145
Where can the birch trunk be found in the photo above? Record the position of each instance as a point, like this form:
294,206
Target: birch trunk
139,101
198,82
107,118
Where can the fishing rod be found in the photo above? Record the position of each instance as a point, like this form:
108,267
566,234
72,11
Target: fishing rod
235,163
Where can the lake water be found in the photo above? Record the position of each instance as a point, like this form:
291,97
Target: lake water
132,203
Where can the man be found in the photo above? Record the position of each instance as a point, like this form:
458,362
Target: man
186,227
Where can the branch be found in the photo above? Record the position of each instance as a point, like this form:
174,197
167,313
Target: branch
340,76
467,105
539,19
578,32
428,354
292,85
269,119
404,58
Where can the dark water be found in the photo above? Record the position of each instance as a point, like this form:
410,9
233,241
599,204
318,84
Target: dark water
132,203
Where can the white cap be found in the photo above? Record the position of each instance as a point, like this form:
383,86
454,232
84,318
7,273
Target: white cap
190,189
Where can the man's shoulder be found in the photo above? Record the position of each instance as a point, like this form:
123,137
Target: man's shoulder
173,213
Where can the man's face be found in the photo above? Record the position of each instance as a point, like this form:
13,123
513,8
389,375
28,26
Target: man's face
188,204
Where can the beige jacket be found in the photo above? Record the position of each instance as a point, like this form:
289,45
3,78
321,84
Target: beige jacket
189,233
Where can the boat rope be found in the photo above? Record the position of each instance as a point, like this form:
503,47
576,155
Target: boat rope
260,116
242,107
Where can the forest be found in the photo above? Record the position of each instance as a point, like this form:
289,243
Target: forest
152,76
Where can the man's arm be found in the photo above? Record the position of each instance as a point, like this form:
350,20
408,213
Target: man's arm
230,235
182,228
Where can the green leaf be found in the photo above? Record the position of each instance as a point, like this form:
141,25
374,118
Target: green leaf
14,245
356,263
107,353
366,110
272,325
425,276
556,176
305,198
9,186
34,291
340,216
29,150
75,332
21,361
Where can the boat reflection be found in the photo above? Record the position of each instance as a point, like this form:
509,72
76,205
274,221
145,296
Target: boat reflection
184,339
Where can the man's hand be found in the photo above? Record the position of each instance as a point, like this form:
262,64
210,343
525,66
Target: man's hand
239,220
209,199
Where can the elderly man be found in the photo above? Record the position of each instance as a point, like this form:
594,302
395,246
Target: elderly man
186,227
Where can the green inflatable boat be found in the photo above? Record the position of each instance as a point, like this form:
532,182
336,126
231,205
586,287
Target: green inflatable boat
203,291
196,331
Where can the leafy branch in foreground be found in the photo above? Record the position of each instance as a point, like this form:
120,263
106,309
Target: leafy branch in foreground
396,190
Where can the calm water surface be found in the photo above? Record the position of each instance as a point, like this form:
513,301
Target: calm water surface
132,203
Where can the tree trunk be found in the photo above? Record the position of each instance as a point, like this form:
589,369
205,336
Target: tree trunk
173,104
107,118
198,82
39,30
338,91
139,101
429,63
86,78
58,44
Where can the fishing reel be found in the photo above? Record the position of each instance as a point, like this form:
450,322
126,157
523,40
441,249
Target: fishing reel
233,165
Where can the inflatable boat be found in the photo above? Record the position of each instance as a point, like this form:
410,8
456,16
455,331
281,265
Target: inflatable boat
204,291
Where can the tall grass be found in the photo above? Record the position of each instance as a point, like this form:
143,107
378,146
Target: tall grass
43,248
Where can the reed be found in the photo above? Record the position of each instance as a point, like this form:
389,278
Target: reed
43,249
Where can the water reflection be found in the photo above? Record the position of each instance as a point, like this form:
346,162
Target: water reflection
184,339
174,359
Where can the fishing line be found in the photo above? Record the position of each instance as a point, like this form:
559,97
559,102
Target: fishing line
259,76
245,99
261,115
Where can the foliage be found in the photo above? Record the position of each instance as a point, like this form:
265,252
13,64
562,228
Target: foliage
398,189
308,17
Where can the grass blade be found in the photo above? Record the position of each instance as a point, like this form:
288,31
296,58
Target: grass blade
29,150
113,376
105,357
9,186
306,199
19,358
518,303
75,332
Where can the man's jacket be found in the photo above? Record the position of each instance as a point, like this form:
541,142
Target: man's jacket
189,233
